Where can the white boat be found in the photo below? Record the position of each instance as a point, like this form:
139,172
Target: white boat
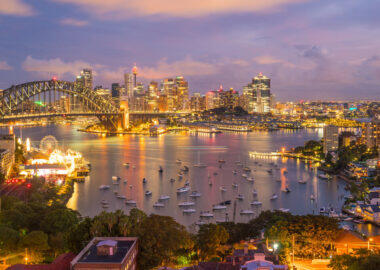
286,190
126,164
195,194
187,183
199,164
104,202
206,214
274,197
256,203
148,193
322,210
172,180
115,182
240,197
104,187
115,178
247,169
183,190
121,197
234,185
178,161
144,180
333,214
302,181
189,211
221,161
134,167
312,197
234,172
125,181
246,212
219,207
324,176
284,210
164,198
130,202
105,205
223,189
244,175
250,179
185,204
200,223
254,192
158,204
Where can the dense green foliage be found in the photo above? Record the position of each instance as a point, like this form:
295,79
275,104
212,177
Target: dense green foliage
363,259
311,148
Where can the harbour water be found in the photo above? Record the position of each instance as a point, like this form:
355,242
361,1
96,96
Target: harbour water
146,154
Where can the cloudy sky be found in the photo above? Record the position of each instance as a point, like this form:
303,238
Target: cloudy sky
312,49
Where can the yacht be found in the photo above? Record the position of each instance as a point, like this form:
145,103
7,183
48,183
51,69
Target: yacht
286,190
206,214
172,180
158,205
184,204
178,161
324,176
244,175
183,190
247,169
189,211
104,187
200,223
284,210
130,202
126,164
144,180
234,185
254,192
274,196
234,172
312,197
160,170
219,207
223,189
195,194
246,212
115,178
122,197
256,203
164,198
302,181
250,179
240,197
148,193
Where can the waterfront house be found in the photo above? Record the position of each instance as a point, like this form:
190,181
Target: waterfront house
374,196
347,241
260,263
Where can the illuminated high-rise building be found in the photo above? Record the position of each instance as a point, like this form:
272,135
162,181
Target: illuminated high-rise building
134,72
182,92
169,90
197,102
330,138
257,96
129,84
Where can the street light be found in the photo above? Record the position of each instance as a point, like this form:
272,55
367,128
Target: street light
275,246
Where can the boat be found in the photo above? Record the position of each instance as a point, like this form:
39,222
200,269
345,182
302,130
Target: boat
333,214
274,197
185,169
234,172
115,178
348,219
130,186
184,204
126,164
256,203
160,170
206,214
270,171
324,176
121,197
223,189
178,161
115,183
346,227
200,223
199,164
144,180
238,163
221,161
187,183
104,187
158,204
218,221
172,180
130,202
358,221
164,198
228,202
234,185
246,212
125,181
246,169
133,167
322,210
286,190
148,193
183,190
284,210
244,175
105,205
240,197
250,179
254,192
219,207
104,202
312,197
189,211
195,194
215,173
302,181
209,183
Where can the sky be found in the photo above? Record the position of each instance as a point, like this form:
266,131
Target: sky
311,49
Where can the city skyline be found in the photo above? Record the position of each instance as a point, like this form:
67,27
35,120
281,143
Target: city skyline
322,50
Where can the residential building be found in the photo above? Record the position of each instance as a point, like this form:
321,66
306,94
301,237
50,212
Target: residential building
330,138
257,95
170,90
108,253
128,81
259,263
85,79
6,162
371,133
197,103
182,90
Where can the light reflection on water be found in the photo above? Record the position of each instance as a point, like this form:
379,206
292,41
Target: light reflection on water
107,155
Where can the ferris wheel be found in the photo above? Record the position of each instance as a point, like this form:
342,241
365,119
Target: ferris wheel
48,144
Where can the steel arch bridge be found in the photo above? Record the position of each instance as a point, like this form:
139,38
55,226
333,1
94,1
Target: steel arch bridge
14,98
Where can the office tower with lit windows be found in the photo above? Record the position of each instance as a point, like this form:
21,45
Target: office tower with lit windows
86,74
330,138
134,72
169,90
261,86
128,80
197,102
182,90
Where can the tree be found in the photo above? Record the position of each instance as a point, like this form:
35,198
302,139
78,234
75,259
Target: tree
209,239
362,259
59,220
9,239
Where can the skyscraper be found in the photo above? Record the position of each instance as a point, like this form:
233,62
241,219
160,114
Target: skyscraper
87,78
169,89
182,91
330,138
134,72
257,95
129,85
